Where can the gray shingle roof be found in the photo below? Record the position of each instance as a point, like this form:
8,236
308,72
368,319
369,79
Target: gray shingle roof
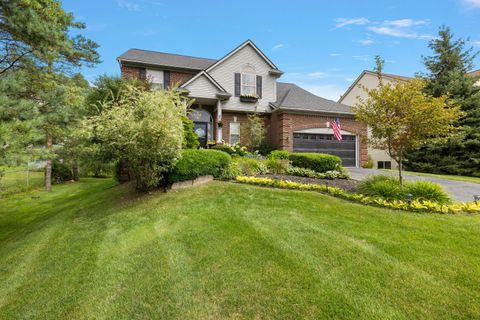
292,97
166,59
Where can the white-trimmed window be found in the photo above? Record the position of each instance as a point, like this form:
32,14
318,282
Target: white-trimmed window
248,84
234,132
155,77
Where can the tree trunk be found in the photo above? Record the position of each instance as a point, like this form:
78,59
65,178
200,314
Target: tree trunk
400,178
48,173
75,171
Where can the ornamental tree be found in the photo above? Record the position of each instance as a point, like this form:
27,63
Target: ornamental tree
401,117
144,129
253,132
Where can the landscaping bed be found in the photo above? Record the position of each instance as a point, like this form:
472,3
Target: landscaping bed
344,184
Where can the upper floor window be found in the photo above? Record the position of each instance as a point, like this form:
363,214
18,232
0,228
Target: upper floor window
249,84
155,77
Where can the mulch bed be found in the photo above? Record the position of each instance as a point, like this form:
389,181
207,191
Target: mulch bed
345,184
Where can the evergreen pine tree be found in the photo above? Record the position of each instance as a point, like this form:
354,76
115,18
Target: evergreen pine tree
447,74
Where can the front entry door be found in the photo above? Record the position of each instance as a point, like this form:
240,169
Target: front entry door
201,131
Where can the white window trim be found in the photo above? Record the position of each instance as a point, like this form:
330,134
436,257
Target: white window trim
254,85
230,132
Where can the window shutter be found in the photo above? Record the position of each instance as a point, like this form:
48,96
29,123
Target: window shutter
166,79
142,74
237,84
259,86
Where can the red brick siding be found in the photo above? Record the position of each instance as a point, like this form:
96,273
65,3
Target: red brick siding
179,78
228,117
130,72
285,124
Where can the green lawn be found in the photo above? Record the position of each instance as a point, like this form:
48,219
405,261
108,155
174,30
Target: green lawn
15,180
92,250
443,176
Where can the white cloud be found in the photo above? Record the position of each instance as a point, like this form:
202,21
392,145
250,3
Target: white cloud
399,32
342,22
366,42
399,28
405,23
476,43
363,57
278,47
128,5
472,3
334,54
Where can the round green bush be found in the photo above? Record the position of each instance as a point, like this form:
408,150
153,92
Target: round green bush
61,172
196,163
279,154
316,161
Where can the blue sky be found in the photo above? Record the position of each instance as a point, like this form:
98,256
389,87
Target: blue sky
320,45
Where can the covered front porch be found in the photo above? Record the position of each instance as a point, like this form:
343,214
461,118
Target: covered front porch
206,112
206,115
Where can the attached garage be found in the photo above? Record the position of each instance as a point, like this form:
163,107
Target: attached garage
312,141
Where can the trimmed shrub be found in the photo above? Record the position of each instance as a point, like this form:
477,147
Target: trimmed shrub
266,148
61,172
279,154
316,161
309,173
251,167
231,149
388,187
368,164
277,166
196,163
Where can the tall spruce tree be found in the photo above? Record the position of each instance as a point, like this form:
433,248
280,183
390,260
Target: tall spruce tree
39,46
447,74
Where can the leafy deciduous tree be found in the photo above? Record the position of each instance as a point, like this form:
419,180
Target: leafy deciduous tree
145,129
401,116
253,132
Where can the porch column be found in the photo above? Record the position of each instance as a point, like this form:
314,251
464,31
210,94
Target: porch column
219,118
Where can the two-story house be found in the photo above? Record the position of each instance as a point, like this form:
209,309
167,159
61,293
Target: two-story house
246,81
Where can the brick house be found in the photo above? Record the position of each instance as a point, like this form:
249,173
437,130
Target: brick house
245,81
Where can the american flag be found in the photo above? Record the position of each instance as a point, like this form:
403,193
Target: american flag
336,129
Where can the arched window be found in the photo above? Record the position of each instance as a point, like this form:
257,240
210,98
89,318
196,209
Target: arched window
200,115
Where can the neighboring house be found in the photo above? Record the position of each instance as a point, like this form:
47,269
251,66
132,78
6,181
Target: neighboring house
369,79
476,74
245,81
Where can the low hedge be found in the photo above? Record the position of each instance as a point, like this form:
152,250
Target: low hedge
316,161
196,163
415,205
319,162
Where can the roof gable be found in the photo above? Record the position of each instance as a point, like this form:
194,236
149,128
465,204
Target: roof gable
240,47
208,77
368,72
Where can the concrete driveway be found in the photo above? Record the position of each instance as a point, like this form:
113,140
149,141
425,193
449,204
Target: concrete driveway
460,191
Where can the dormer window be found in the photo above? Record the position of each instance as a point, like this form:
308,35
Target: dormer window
249,85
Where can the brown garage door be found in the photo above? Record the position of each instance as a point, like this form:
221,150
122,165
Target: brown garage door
326,143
